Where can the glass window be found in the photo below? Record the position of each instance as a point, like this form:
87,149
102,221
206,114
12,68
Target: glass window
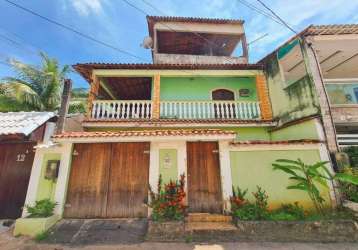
342,93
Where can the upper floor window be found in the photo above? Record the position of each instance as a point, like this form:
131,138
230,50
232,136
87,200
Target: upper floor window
223,95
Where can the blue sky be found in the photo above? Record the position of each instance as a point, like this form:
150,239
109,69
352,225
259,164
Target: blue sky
116,23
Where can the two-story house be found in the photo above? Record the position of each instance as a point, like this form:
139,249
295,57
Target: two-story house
197,110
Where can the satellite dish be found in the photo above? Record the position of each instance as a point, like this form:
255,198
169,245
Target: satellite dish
147,42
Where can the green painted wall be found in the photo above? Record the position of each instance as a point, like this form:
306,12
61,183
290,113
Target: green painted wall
46,187
304,130
168,164
252,168
290,102
200,88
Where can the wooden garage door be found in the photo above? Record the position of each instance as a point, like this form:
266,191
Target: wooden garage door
15,169
108,180
204,186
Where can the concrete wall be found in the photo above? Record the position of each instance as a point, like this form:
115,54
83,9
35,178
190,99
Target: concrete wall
196,59
290,102
303,130
252,168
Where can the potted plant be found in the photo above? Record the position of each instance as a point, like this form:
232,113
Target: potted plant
41,217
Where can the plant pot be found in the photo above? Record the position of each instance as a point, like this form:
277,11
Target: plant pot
33,226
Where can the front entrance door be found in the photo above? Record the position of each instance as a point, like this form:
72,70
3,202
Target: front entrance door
204,185
108,180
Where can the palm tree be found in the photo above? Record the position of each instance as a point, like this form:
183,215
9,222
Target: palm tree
34,87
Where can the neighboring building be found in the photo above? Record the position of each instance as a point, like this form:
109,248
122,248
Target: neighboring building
20,132
318,70
196,110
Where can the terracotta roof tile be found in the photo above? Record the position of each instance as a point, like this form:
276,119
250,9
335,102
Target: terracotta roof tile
193,20
283,142
85,69
335,29
134,133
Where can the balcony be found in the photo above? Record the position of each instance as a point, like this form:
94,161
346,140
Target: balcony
138,109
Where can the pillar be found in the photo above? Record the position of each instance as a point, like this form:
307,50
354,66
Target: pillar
156,97
263,96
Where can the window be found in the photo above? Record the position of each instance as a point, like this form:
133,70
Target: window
223,95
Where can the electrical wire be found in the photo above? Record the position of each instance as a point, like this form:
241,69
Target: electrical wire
278,17
88,37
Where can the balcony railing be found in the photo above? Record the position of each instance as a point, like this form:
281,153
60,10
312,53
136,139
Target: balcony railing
210,110
122,109
221,110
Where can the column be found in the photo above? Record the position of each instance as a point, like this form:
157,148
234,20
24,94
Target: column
92,95
156,97
263,96
225,170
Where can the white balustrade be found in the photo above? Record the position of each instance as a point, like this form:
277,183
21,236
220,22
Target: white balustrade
107,109
222,110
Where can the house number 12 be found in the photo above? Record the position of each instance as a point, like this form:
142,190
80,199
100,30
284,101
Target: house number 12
20,157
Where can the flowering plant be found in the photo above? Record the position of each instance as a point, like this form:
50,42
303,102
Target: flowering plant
168,202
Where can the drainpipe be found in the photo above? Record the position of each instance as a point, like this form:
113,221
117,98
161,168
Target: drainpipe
65,101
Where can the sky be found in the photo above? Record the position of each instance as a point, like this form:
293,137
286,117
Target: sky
23,35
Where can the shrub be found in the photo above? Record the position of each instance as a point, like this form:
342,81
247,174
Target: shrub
250,211
288,212
238,197
168,203
42,209
349,190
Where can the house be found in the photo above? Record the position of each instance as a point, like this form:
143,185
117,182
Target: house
197,110
322,61
20,132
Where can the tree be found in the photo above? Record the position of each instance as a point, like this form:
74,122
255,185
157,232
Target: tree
34,87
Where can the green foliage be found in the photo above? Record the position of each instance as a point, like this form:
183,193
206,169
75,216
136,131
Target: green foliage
34,87
353,155
79,93
41,236
42,209
77,107
168,203
288,212
307,177
349,190
250,211
238,197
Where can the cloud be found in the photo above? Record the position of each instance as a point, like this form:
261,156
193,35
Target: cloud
87,7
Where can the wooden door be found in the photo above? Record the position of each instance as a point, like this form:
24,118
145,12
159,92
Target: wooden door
108,180
128,180
15,169
204,185
87,188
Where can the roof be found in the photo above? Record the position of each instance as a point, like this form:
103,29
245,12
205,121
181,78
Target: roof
85,69
144,133
285,142
154,19
22,122
335,29
320,30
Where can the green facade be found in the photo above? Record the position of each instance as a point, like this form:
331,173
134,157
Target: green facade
253,168
200,88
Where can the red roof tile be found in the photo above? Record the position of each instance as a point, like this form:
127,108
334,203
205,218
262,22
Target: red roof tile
85,69
134,133
285,142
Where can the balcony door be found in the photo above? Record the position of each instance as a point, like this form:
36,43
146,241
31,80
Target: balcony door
223,110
